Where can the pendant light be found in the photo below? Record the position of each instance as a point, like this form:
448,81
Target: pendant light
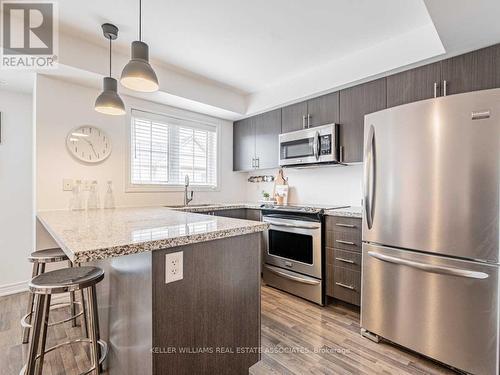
138,74
109,102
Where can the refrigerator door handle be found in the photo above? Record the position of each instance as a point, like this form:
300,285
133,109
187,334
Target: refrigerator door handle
429,267
369,177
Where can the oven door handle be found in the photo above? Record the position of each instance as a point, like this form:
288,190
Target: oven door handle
286,275
278,224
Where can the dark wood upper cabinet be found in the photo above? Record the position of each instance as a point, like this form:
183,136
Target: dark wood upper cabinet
413,85
267,130
323,110
477,70
243,144
293,117
355,103
255,141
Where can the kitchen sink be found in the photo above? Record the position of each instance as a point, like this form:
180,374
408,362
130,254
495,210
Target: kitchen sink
190,205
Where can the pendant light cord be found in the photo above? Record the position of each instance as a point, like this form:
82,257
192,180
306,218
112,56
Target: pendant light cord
110,57
140,20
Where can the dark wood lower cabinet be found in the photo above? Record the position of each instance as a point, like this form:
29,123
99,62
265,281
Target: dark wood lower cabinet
208,322
238,213
343,259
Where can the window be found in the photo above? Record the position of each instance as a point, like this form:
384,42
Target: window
165,149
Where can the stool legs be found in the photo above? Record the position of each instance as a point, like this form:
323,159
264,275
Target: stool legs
93,329
72,301
43,334
35,334
37,269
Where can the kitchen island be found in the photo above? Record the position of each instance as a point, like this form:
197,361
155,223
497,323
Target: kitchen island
207,322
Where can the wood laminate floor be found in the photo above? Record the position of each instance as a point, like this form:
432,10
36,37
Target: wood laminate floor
298,337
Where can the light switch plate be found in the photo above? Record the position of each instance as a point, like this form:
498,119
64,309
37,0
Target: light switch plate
174,267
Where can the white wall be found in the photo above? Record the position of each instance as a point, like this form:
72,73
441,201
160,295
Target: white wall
62,106
16,190
331,185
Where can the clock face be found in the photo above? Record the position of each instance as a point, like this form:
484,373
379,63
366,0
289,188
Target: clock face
89,144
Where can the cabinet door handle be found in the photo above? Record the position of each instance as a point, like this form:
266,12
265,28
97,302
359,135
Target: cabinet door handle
253,163
345,225
345,260
345,286
303,122
308,120
345,242
445,87
257,163
435,89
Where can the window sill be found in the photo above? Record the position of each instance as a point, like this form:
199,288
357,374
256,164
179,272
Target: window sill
131,188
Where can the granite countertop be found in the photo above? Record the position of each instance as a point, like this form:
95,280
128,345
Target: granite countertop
352,211
92,235
215,207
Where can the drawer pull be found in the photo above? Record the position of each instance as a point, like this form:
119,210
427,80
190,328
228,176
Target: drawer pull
345,242
345,260
345,225
345,286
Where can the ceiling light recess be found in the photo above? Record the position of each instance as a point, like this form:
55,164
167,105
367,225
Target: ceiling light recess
138,75
109,102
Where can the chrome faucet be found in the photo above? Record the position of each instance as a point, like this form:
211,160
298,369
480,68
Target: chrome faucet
188,196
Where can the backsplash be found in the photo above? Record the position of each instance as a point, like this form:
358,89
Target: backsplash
322,185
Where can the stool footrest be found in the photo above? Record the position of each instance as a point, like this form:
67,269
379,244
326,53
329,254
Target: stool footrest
104,352
24,319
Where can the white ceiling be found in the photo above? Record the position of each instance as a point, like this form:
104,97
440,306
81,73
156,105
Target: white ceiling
235,58
247,45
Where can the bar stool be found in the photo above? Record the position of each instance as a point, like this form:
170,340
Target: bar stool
39,259
63,281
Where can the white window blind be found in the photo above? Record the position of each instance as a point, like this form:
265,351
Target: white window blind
165,149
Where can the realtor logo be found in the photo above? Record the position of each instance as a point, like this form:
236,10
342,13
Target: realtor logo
29,35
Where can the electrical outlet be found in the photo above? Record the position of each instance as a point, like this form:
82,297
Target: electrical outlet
173,267
67,184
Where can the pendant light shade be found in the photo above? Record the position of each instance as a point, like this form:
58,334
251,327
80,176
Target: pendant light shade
138,74
109,102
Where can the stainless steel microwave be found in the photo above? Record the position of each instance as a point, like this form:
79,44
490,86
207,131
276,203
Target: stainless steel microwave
309,146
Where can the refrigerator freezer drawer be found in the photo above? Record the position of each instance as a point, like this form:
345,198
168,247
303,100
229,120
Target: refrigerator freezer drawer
444,308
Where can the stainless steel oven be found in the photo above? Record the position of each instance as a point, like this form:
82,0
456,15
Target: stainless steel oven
309,146
293,257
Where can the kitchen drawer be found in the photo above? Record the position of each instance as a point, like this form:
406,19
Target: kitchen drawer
346,285
343,224
344,240
342,258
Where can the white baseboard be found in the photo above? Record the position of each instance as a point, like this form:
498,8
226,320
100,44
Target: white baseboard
19,287
22,286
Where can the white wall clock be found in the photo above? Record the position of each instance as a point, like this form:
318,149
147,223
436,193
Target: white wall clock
89,144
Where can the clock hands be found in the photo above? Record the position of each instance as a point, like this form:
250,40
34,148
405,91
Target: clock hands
92,146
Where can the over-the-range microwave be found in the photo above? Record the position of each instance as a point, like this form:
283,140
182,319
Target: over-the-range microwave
316,145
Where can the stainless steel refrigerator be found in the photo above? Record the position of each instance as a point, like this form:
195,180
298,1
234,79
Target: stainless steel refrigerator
430,277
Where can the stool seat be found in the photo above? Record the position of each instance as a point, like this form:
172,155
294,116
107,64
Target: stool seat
66,280
48,256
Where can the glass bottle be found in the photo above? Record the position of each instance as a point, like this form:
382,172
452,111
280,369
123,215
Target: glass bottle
93,199
109,199
77,198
